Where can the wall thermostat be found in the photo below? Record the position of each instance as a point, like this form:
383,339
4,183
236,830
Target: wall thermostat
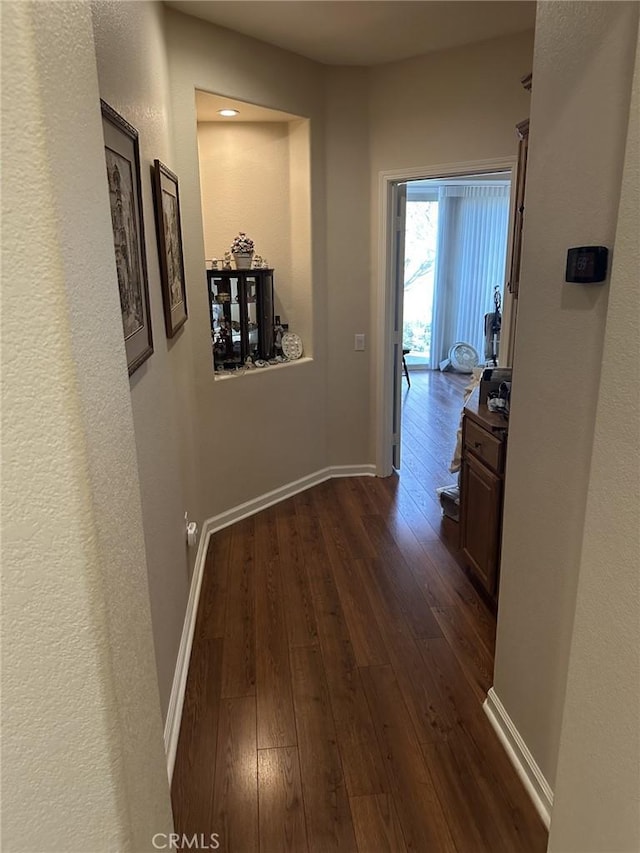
587,264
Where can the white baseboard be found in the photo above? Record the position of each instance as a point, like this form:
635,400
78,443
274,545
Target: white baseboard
525,764
224,519
210,526
176,699
352,471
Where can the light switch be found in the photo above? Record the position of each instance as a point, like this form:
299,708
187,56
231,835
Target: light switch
359,343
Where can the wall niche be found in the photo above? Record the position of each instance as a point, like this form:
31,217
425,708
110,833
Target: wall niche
255,177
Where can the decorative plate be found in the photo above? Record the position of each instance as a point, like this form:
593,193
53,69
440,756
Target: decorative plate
291,346
464,357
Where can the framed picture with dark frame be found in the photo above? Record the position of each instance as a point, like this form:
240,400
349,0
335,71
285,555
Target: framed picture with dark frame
122,156
169,233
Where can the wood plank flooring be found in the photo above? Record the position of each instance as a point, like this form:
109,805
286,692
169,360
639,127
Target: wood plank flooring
340,660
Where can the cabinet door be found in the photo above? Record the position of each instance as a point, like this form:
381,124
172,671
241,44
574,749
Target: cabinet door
481,497
227,318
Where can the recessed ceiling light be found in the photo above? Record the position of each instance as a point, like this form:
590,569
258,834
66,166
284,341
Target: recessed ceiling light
228,113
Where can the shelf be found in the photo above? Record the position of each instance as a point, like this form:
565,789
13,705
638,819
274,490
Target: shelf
221,376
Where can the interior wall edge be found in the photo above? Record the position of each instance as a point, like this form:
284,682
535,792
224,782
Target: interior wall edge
86,755
583,54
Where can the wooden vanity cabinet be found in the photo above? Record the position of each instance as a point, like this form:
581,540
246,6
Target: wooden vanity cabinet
484,437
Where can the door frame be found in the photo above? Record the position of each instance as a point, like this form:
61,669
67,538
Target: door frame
398,220
383,355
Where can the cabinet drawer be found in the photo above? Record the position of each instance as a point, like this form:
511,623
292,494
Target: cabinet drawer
486,446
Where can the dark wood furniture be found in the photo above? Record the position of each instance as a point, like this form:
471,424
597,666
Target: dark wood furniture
241,309
484,444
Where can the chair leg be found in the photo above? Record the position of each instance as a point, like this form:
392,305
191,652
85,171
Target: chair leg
406,371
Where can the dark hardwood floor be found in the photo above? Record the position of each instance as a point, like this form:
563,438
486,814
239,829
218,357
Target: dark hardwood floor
340,660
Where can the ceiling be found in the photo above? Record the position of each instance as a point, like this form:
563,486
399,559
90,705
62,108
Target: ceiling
365,32
208,105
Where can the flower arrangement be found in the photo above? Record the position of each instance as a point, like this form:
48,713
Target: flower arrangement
242,245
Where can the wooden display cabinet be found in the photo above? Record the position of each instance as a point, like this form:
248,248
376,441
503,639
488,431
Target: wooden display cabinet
241,310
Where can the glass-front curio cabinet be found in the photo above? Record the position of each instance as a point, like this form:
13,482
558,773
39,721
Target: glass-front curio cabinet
241,306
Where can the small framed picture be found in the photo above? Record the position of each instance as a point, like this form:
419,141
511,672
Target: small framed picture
122,156
169,232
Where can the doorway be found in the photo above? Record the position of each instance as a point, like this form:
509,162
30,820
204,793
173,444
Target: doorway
443,257
454,263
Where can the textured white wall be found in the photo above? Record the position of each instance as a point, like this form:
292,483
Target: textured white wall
582,74
449,106
349,268
596,804
261,430
132,74
83,764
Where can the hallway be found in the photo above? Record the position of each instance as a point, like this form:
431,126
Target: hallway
340,661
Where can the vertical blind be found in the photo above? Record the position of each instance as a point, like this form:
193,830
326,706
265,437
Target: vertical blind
470,262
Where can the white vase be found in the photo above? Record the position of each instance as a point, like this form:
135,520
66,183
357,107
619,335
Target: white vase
243,260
